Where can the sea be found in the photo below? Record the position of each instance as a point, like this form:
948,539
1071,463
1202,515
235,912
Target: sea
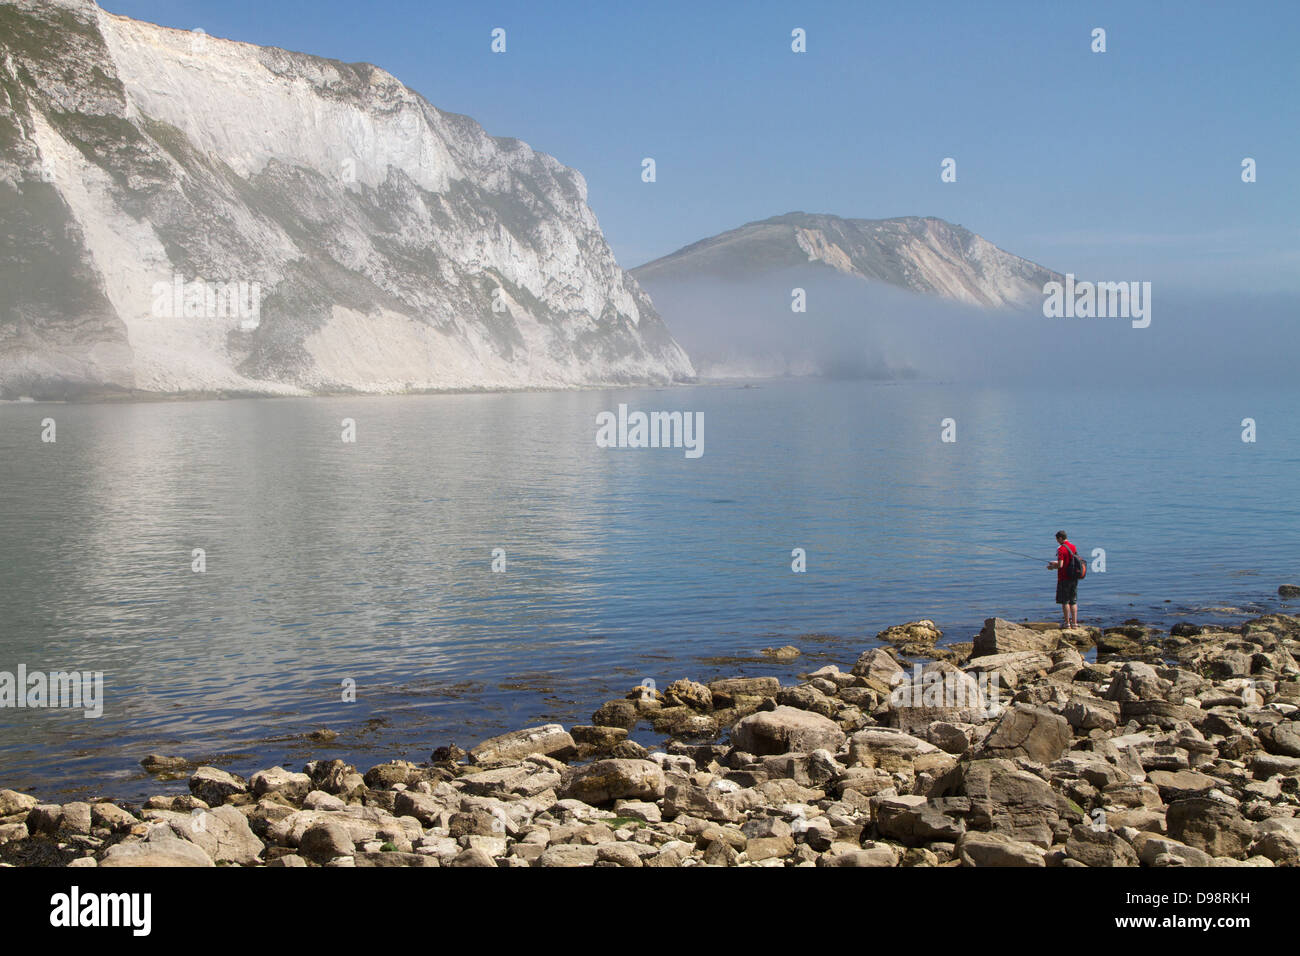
405,572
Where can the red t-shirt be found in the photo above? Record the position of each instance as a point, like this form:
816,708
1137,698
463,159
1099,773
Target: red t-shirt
1063,555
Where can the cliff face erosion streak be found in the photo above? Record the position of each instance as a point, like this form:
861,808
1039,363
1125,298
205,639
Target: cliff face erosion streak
181,213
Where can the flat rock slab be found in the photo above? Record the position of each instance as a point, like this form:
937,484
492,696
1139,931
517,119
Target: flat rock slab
549,739
999,636
997,849
786,729
160,852
605,781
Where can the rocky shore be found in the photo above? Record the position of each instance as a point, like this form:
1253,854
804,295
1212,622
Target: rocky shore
1170,749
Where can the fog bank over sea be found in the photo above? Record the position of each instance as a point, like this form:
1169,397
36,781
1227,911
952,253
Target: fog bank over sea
857,329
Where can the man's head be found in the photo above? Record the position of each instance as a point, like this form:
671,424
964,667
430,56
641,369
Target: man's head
1060,536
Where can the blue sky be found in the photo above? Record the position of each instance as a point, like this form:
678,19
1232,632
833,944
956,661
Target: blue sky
1122,165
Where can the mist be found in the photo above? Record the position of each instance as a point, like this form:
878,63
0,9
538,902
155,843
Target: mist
853,328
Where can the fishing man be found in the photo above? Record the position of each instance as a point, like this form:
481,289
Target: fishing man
1067,585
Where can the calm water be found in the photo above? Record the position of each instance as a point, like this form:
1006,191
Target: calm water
372,561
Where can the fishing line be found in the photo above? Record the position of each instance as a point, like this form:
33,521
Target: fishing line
1019,554
976,544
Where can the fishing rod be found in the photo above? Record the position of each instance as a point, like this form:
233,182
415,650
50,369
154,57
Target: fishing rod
1019,554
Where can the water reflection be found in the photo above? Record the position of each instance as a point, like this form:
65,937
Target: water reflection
371,562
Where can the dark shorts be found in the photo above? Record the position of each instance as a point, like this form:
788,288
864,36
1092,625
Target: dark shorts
1067,592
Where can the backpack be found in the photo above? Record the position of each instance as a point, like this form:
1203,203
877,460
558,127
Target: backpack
1077,569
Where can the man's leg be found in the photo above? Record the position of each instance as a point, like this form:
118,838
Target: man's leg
1065,614
1073,614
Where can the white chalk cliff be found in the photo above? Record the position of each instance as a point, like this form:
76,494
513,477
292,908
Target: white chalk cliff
383,244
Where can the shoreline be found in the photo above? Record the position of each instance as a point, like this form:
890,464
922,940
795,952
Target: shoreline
1171,748
142,397
310,737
